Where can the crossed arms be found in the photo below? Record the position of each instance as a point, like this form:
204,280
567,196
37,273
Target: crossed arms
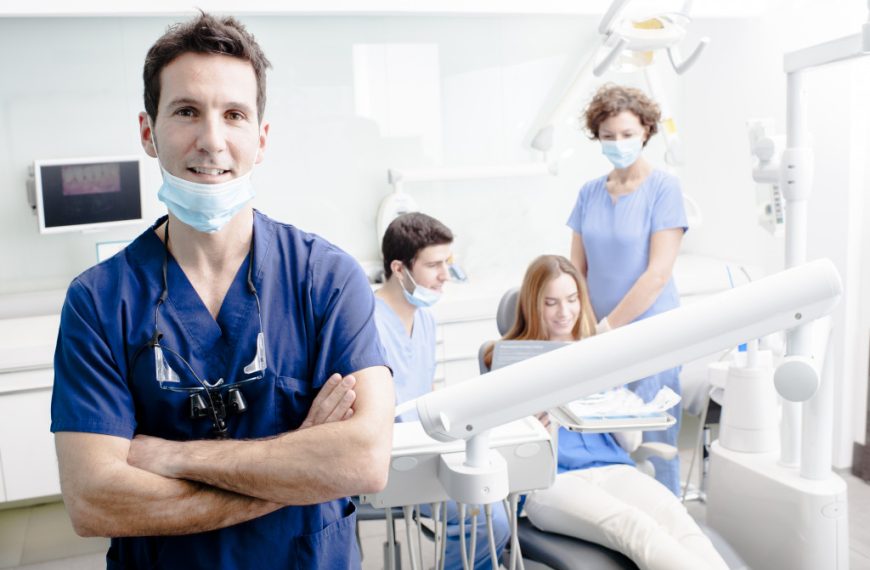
149,486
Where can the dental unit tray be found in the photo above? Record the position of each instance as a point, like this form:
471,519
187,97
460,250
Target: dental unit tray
619,409
602,424
414,478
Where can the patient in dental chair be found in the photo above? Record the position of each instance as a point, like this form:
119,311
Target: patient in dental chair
599,495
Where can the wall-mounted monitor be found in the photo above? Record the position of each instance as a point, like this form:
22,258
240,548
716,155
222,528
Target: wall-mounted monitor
83,194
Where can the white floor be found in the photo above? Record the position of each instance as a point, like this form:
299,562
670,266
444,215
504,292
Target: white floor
49,543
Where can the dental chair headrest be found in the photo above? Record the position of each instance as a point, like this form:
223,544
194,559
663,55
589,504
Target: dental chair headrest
507,310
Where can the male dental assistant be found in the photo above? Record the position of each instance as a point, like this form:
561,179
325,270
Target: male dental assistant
203,373
416,250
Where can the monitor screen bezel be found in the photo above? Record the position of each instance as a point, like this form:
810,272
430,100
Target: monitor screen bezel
38,165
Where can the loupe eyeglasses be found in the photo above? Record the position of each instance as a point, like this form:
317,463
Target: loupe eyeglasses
218,399
215,400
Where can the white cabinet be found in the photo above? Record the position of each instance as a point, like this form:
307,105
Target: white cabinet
28,464
27,458
460,341
466,319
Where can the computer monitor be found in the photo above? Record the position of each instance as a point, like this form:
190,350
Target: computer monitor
83,194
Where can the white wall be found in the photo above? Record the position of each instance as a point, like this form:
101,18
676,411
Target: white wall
72,88
75,90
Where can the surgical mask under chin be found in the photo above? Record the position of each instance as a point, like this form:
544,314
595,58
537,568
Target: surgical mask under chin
204,207
622,153
422,296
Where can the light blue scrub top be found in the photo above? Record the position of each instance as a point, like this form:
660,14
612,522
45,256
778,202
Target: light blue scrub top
616,240
412,358
616,237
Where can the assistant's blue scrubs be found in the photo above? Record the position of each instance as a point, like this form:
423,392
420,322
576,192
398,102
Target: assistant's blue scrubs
616,238
317,312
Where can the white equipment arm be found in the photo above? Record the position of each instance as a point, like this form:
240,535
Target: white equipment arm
778,302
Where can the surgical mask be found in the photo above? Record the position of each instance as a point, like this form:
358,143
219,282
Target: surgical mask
204,207
622,153
422,296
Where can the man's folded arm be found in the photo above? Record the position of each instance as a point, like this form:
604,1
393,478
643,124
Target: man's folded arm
306,466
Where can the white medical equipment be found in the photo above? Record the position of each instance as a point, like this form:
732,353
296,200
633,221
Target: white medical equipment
614,410
394,205
617,410
86,194
470,410
767,147
780,301
793,495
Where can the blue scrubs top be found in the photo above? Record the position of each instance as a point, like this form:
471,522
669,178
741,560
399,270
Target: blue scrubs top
412,358
616,237
584,450
317,312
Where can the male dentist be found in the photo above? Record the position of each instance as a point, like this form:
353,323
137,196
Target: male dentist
220,389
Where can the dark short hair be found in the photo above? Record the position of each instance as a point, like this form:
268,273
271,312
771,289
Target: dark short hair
610,100
209,35
408,234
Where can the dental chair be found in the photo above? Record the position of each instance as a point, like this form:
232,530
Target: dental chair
561,552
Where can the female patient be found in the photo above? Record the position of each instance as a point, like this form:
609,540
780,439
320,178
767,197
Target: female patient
599,495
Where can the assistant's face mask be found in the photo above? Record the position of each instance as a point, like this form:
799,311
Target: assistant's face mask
622,153
204,207
422,296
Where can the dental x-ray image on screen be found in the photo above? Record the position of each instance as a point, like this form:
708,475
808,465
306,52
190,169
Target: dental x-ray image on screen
87,194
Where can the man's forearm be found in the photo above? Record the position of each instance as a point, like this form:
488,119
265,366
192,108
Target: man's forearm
303,467
105,496
132,502
306,466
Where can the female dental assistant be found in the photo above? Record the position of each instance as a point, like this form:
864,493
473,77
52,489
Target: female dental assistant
627,229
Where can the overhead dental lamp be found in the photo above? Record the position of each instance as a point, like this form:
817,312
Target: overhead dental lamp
627,45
